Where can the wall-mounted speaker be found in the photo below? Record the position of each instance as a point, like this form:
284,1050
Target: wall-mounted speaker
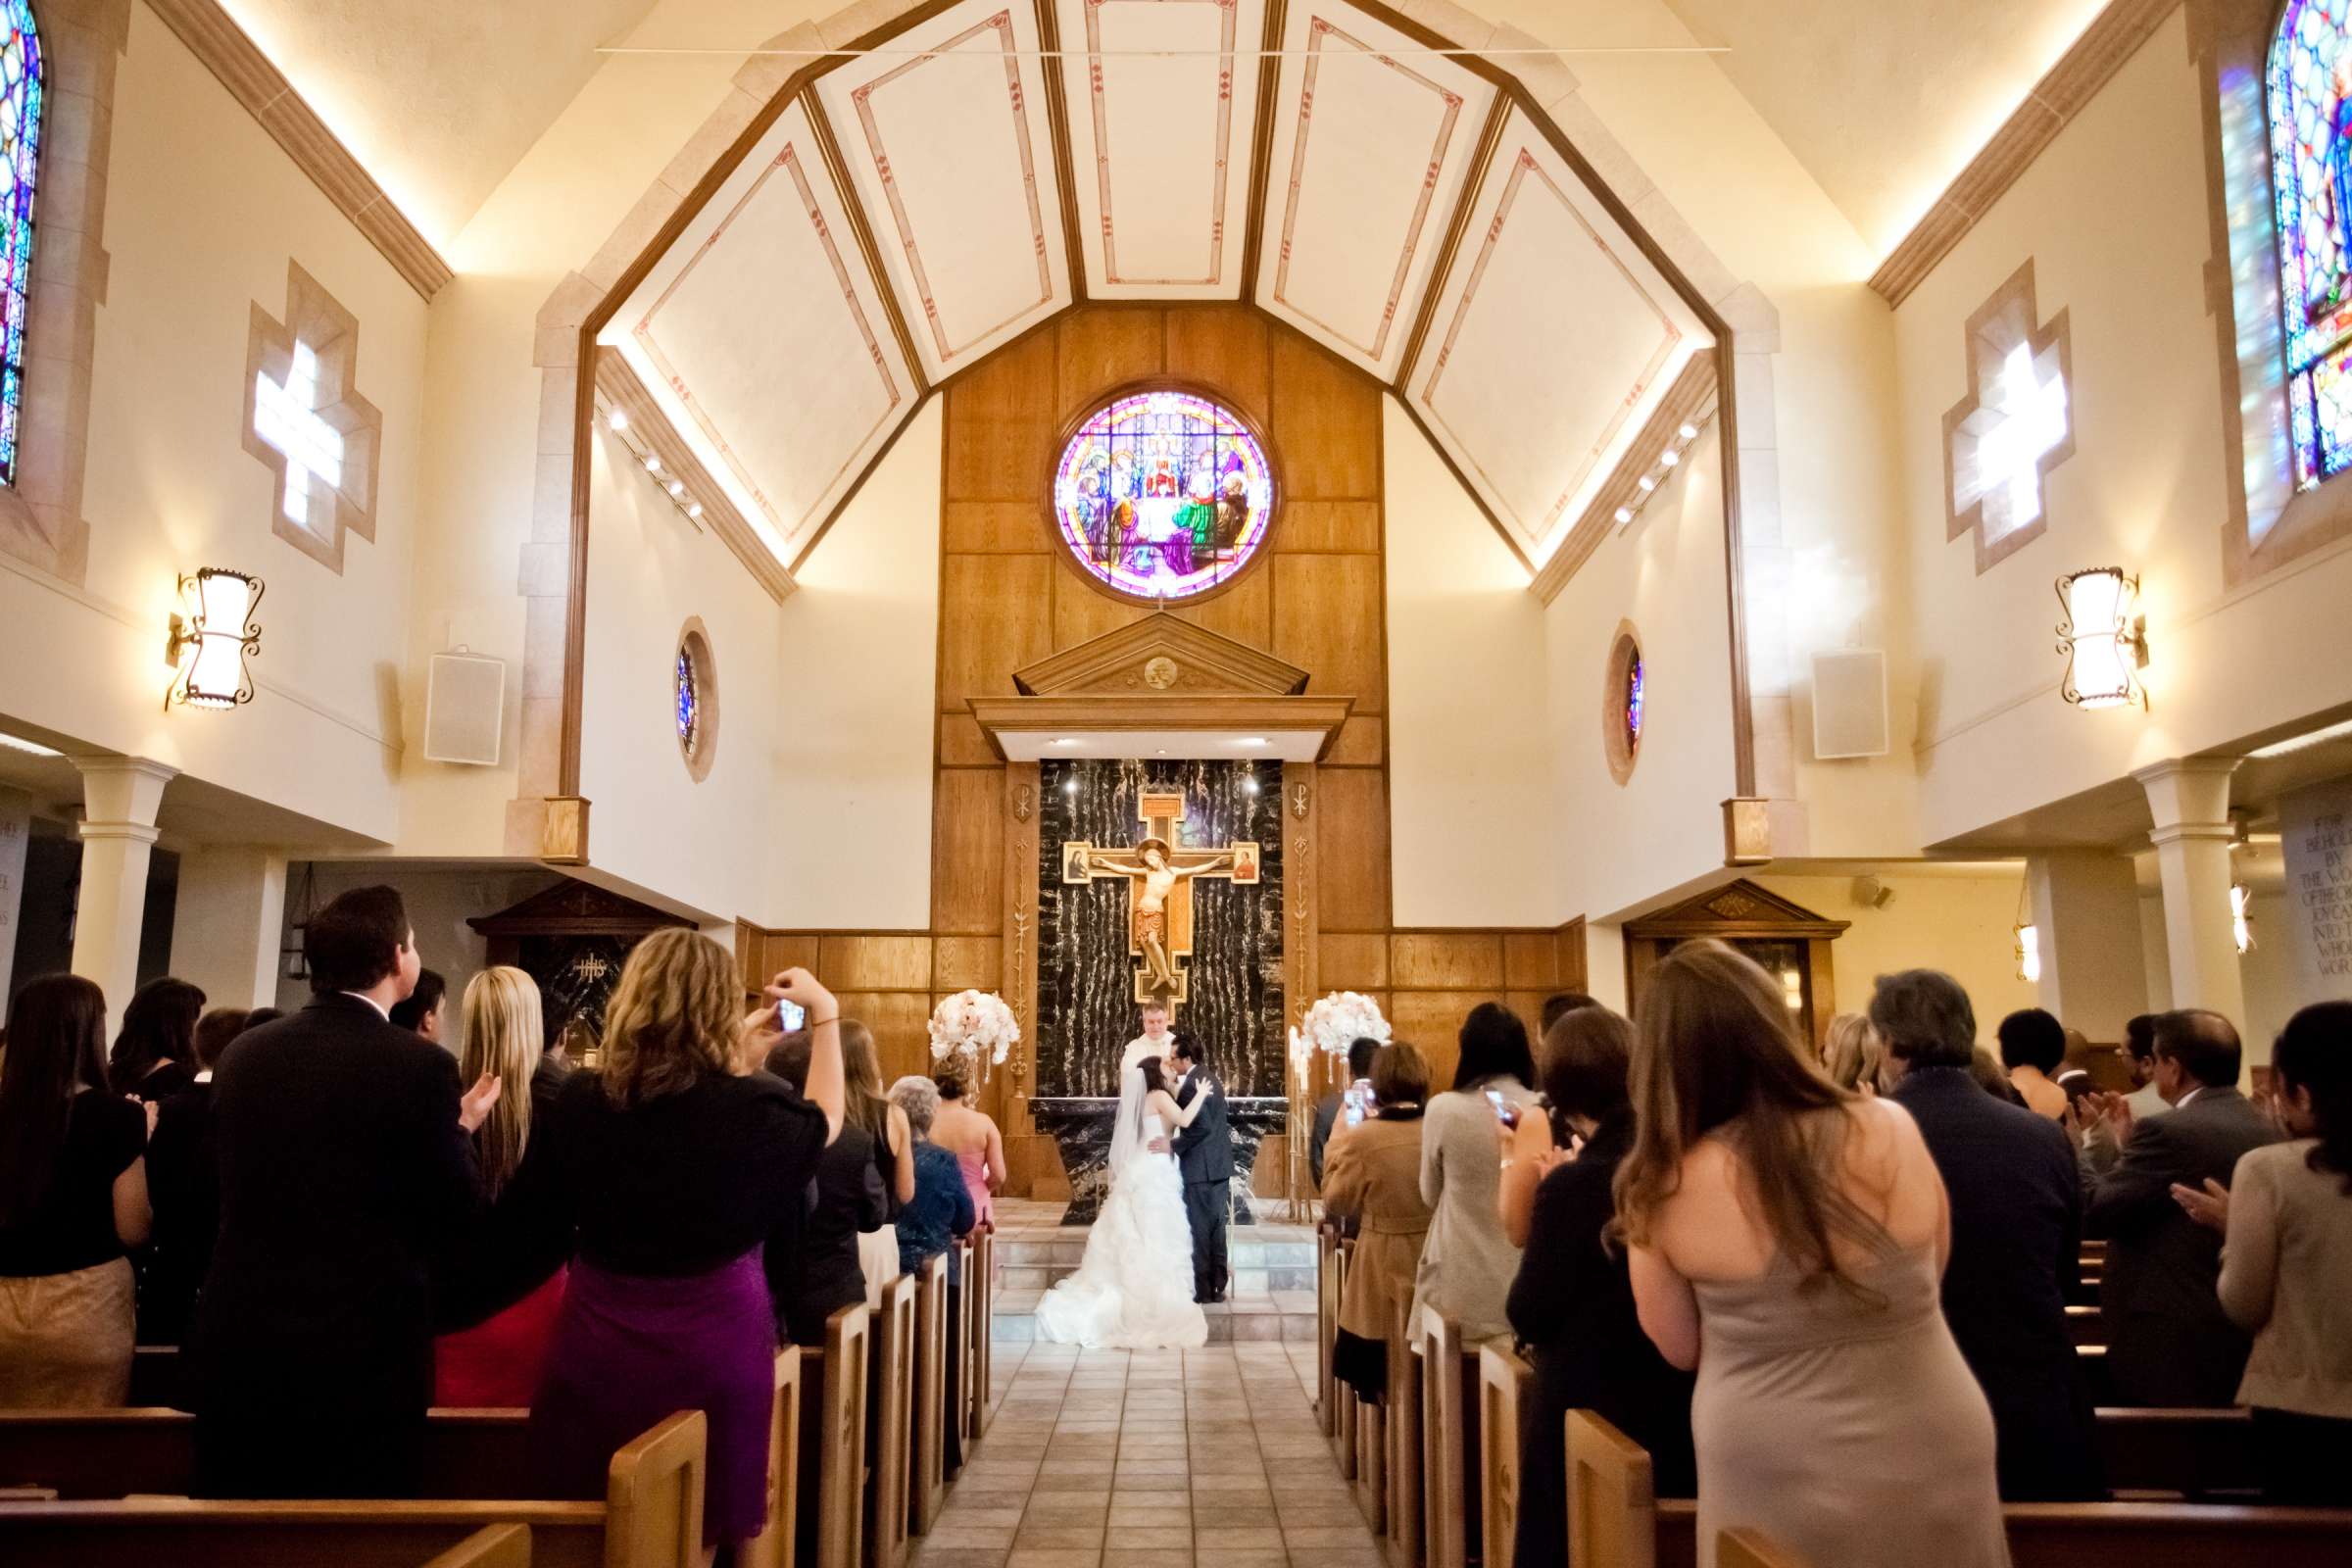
465,708
1849,703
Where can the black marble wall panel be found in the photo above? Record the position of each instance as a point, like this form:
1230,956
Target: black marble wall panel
1086,1007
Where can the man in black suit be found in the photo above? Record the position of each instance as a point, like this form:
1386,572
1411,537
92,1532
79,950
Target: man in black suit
2017,1238
2167,1343
346,1170
1205,1155
1327,1110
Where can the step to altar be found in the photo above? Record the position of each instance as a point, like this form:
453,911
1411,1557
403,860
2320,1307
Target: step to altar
1271,1295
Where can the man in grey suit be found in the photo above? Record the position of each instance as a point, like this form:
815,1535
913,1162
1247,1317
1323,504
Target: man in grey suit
2167,1343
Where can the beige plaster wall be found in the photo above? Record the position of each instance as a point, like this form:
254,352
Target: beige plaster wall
1963,925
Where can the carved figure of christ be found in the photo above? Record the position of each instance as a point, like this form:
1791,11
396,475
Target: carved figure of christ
1159,875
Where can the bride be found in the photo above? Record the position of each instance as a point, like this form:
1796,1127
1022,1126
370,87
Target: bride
1134,1287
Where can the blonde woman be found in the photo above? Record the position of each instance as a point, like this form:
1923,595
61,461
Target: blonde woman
673,1165
869,1109
1853,1054
497,1362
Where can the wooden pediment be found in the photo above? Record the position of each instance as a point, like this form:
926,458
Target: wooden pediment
1739,909
1162,654
573,908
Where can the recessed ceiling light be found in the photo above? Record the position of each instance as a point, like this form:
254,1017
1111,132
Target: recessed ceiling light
1625,514
677,487
2298,743
1688,432
1254,740
17,743
1670,456
694,510
618,419
1646,484
653,464
1066,739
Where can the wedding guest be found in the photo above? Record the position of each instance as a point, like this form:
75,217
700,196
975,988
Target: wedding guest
346,1169
2286,1263
1374,1177
1797,1231
183,1183
496,1357
555,1067
2140,1050
1327,1110
812,1264
1853,1054
1572,1305
1559,1004
422,1011
971,1135
73,1199
673,1165
1991,1076
940,1210
2032,1048
872,1111
155,1050
1468,1263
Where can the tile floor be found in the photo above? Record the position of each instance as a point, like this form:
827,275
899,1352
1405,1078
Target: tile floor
1152,1460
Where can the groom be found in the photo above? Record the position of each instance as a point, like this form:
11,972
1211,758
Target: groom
1204,1154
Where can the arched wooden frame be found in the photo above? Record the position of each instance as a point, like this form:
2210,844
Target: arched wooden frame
1095,405
1618,747
694,641
1738,913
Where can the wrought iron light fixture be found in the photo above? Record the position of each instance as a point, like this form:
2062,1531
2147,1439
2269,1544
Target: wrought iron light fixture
211,639
2104,637
2241,916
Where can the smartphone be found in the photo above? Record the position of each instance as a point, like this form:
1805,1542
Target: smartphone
790,1015
1353,1097
1504,1112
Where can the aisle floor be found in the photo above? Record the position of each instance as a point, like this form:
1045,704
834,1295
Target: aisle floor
1148,1459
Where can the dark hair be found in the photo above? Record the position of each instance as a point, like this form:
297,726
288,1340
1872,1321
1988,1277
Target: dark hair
2204,1044
1559,1004
1987,1070
1155,1076
159,1025
213,1031
1189,1049
2033,1038
1925,1018
1400,1075
1588,1060
262,1015
788,1059
56,1046
411,1011
2139,1036
1493,1045
2313,1053
353,943
949,1085
1360,1052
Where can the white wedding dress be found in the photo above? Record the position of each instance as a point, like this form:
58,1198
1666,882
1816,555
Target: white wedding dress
1134,1287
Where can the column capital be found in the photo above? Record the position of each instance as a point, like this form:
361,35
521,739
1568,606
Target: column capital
120,792
130,832
2189,790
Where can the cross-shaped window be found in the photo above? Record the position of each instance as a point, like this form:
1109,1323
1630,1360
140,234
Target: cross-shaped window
285,417
2028,420
2015,425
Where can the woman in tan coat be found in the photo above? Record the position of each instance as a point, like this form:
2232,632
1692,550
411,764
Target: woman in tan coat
1373,1172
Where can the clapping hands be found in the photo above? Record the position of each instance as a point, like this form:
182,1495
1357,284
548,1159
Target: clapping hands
473,1105
2209,1207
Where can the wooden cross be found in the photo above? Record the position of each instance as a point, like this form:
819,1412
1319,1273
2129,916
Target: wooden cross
1159,873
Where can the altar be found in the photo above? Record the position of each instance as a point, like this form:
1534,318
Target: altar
1081,1125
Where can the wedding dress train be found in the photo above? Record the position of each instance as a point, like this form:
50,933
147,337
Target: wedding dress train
1134,1287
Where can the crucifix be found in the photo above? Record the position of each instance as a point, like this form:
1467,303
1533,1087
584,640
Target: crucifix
1159,874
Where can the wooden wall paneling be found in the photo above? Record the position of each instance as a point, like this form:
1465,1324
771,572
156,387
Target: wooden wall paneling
995,616
992,528
1445,960
785,950
899,1020
1349,526
876,962
1001,424
1432,1021
1360,742
1081,612
968,963
1302,870
1529,1005
967,837
963,743
1245,612
1352,874
1105,346
1531,959
1571,943
1224,347
1017,921
1327,416
1353,961
1329,617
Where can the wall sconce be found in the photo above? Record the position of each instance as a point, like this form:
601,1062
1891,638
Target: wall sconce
208,643
2104,637
2241,918
2028,954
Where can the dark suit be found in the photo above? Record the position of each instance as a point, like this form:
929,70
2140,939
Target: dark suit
1318,1138
344,1176
2167,1343
1205,1156
2016,1242
183,1183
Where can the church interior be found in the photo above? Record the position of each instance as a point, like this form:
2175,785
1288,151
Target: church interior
1283,512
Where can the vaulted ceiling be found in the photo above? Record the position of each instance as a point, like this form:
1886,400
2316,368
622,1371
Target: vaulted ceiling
924,202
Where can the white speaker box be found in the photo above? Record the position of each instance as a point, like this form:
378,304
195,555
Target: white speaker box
465,708
1849,703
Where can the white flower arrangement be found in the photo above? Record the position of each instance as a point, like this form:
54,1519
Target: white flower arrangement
1340,1020
974,1027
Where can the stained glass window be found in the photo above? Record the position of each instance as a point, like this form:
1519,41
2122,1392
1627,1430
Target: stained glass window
21,84
1163,495
2310,176
690,701
1633,703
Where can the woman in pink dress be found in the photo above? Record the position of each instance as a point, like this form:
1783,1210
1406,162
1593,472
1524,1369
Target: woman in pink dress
973,1138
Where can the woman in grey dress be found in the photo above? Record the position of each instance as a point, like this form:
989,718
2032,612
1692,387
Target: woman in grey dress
1467,1264
1787,1239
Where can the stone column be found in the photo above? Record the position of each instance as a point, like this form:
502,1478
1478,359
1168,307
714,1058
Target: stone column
2189,798
2086,904
230,922
120,795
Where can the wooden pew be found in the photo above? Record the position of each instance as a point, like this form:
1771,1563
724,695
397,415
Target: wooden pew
889,1472
492,1546
772,1547
980,1289
1611,1508
829,1512
2193,1452
2084,1326
1326,1322
1372,1462
960,1395
1505,1385
651,1517
1753,1549
1449,1444
1404,1541
1341,1397
928,1484
157,1377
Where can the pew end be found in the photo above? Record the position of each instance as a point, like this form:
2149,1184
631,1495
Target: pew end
928,1487
1404,1542
1753,1549
772,1547
1504,1384
494,1546
1612,1506
654,1494
892,1350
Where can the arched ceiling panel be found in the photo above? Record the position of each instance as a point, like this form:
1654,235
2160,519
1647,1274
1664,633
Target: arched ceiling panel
1550,340
764,335
1373,141
945,135
1162,99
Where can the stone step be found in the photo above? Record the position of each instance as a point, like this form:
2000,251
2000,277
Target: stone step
1241,1321
1246,1281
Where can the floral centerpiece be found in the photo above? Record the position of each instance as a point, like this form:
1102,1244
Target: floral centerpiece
976,1029
1339,1021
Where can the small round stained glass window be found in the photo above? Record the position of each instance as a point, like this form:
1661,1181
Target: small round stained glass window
690,701
694,700
1624,702
1163,495
1633,701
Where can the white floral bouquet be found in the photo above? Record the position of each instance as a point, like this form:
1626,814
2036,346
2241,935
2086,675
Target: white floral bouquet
976,1028
1341,1019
